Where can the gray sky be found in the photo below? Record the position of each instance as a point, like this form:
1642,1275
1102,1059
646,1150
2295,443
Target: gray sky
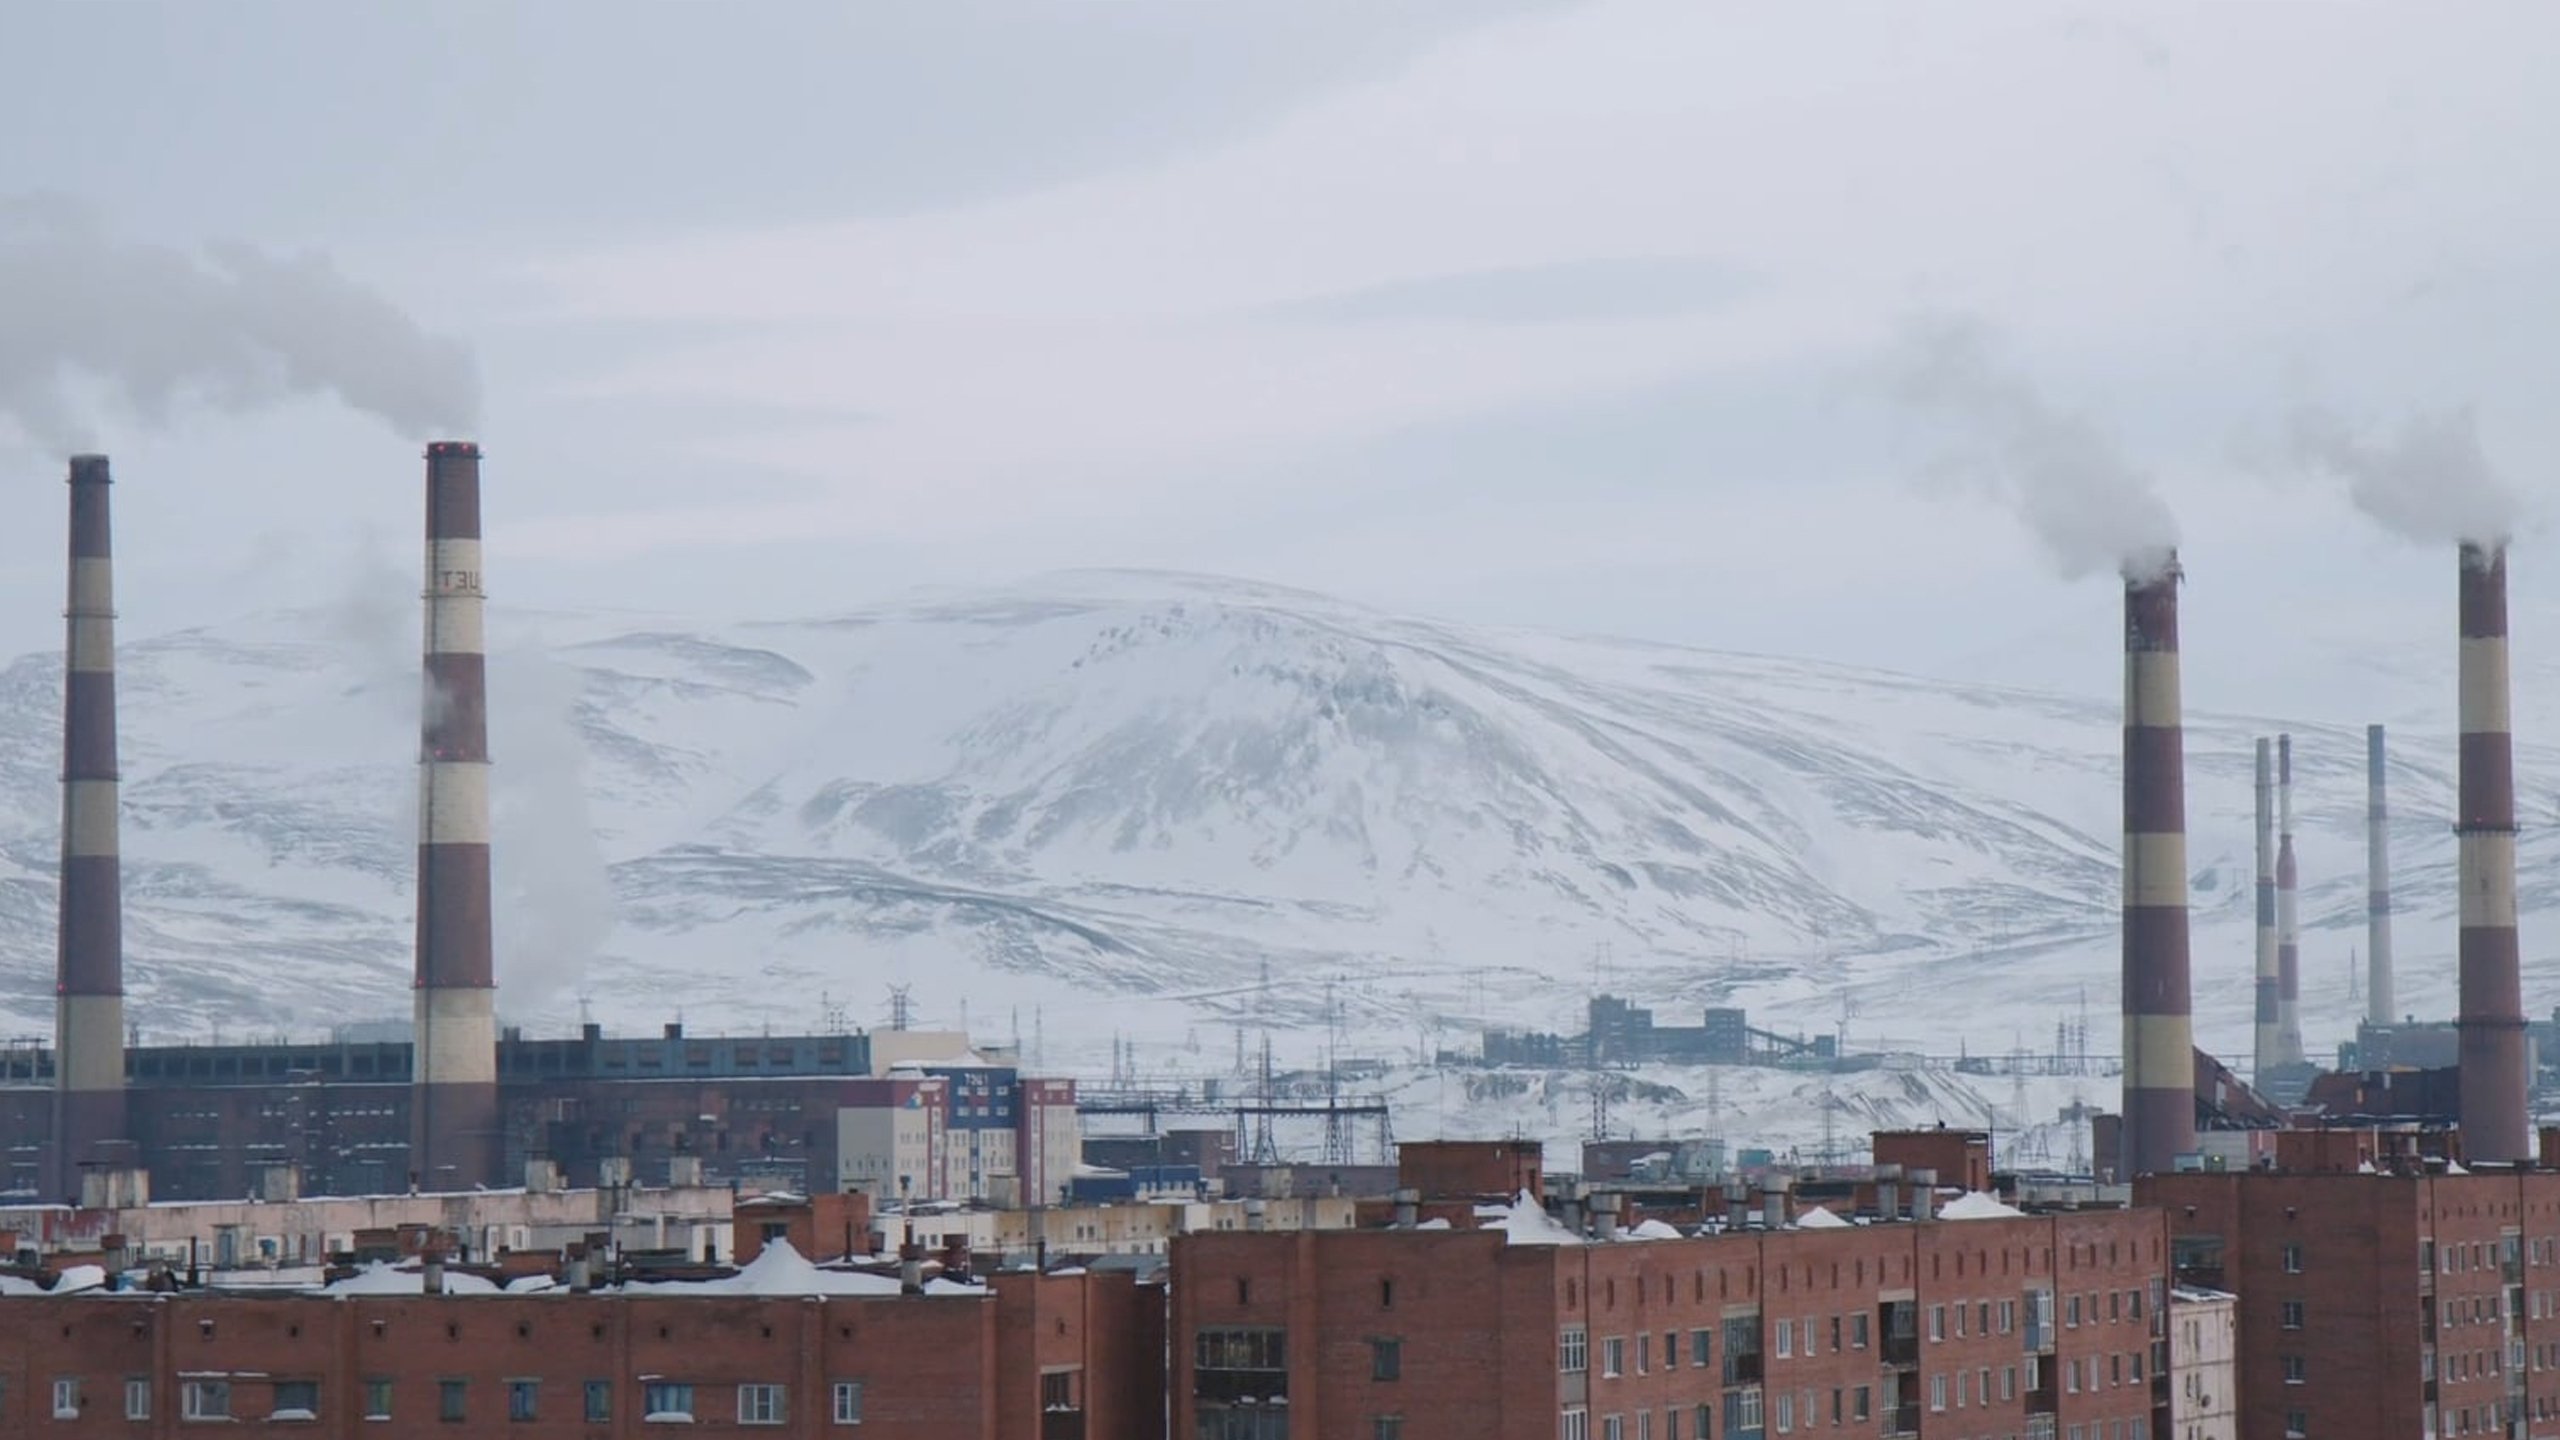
1556,314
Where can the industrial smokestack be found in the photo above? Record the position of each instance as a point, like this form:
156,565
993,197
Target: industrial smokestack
2159,1049
88,1055
2378,1004
2288,914
2491,1022
453,1122
2269,1049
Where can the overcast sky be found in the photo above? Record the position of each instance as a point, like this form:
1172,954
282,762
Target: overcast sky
1557,314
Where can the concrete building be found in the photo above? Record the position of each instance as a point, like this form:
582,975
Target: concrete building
2006,1324
294,1232
2204,1365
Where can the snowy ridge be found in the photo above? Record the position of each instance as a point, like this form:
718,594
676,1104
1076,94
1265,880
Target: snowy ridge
1103,804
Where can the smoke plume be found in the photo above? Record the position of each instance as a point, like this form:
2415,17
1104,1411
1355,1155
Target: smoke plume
156,328
554,897
2053,469
2430,482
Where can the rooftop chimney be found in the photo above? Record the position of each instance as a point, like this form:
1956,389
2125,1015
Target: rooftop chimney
453,1123
2378,1003
2288,914
1924,1194
88,1056
2269,1049
2159,1049
2491,1019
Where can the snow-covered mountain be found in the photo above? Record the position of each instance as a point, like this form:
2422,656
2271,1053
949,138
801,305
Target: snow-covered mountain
1111,803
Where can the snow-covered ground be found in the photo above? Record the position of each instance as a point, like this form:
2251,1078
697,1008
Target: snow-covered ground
1107,805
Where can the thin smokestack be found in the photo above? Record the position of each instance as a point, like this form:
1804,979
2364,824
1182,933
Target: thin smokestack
2159,1046
2288,914
2379,1006
2269,1049
453,1123
2491,1022
88,1056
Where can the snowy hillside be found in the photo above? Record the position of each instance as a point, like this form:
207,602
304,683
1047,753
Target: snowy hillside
1102,803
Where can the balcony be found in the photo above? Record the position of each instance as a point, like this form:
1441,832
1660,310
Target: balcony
1902,1420
1901,1352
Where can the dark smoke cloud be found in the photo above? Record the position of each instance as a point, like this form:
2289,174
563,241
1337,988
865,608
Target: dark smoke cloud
2054,469
2430,481
232,327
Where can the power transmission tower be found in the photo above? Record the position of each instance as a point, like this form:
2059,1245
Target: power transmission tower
901,1006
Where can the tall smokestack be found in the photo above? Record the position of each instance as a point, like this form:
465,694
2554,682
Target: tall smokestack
88,1055
453,1120
2288,914
2378,1004
2269,1049
2491,1020
2159,1046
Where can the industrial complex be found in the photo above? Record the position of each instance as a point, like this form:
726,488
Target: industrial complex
899,1231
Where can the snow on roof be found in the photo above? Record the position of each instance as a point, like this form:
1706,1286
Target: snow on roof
2454,1167
1433,1224
779,1270
79,1277
1527,1222
1818,1218
13,1285
2199,1295
382,1279
1975,1205
1649,1230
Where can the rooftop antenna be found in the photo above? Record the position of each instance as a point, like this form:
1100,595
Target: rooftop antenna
1039,1040
901,1006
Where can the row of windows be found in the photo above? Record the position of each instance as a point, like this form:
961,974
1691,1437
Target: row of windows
1853,1272
213,1398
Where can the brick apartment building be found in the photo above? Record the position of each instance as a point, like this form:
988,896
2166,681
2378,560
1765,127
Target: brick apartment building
1058,1357
2382,1293
2004,1326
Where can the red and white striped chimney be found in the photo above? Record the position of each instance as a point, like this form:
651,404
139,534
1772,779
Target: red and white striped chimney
88,1055
2378,1003
2159,1046
2491,1020
2288,914
2269,1047
454,1139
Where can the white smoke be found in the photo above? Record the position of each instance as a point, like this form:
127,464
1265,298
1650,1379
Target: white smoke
554,897
155,328
2430,482
2053,469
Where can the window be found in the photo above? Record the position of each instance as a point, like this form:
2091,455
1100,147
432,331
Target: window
1613,1427
1698,1348
1573,1350
137,1399
66,1398
2293,1370
2008,1316
205,1400
1937,1323
1705,1418
666,1399
1858,1331
1959,1322
2292,1255
2297,1423
599,1401
1644,1354
523,1399
2072,1313
1937,1392
2291,1313
1575,1425
1785,1335
453,1401
1786,1412
1387,1427
377,1398
2009,1383
297,1400
1804,1337
1386,1359
1741,1411
1835,1334
760,1405
1670,1349
1613,1357
848,1402
1860,1401
1985,1391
